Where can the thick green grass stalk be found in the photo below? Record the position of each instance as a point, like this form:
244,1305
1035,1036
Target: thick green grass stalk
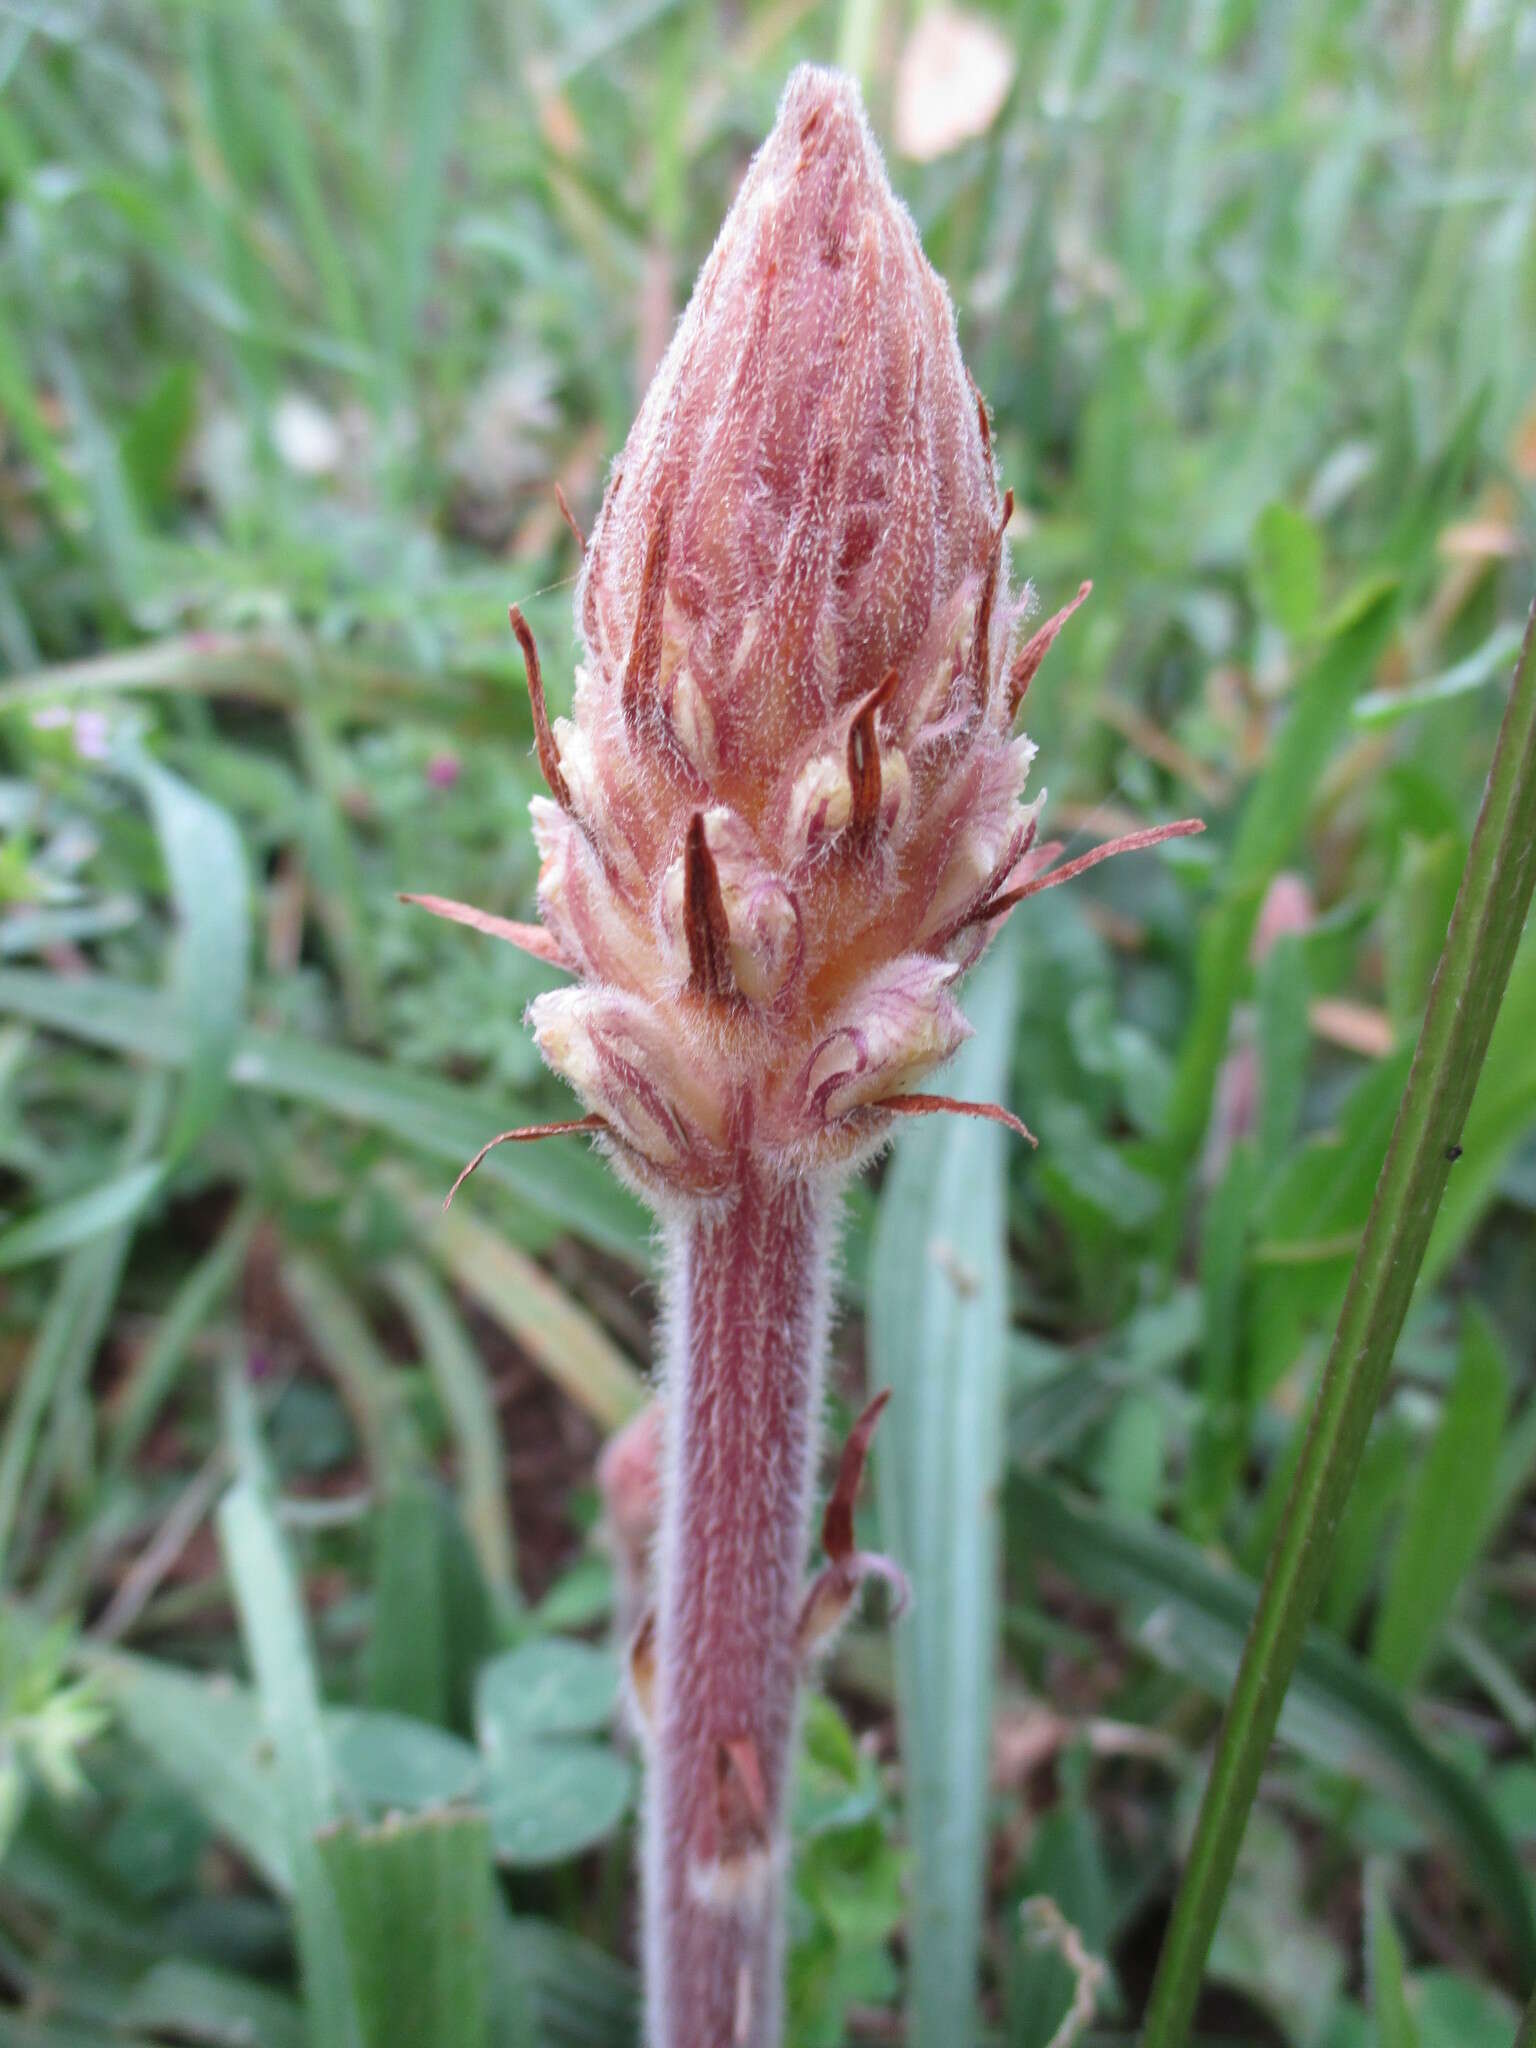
1469,985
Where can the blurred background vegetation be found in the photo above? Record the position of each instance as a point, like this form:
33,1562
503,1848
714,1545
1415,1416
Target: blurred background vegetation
301,312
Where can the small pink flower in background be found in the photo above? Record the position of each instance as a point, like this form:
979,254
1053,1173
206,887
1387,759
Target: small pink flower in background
444,770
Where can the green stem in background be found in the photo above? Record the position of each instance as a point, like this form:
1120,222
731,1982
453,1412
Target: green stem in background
1463,1003
1525,2036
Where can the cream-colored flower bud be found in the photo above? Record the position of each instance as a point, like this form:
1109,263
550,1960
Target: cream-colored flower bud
820,804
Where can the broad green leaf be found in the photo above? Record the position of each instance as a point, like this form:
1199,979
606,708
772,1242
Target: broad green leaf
414,1902
1192,1618
546,1687
550,1800
1442,1533
938,1320
389,1762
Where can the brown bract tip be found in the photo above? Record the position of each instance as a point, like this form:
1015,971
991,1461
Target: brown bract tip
741,1797
1027,661
544,739
837,1522
645,648
864,757
951,1105
570,519
1129,842
705,924
522,1137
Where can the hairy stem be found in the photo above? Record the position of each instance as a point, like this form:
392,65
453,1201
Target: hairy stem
743,1393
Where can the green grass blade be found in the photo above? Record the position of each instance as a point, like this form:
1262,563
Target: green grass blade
1192,1618
1464,1002
566,1185
211,889
153,1373
1439,1538
194,2002
562,1338
373,1390
434,75
209,1741
1272,822
414,1900
463,1388
582,1997
277,1642
1384,1954
938,1319
72,1328
79,1218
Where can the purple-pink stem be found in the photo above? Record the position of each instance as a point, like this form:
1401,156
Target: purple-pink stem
748,1332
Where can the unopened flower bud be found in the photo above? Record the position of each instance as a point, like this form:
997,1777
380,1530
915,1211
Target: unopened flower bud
788,806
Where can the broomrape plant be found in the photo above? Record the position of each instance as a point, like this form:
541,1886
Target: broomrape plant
786,817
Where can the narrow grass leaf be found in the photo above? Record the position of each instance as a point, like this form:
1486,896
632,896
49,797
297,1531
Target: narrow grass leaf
71,1330
1384,1957
414,1902
581,1997
1469,986
460,1379
1193,1618
561,1338
152,1376
1273,820
1439,1538
564,1187
938,1318
210,887
79,1218
277,1643
195,2002
208,1739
